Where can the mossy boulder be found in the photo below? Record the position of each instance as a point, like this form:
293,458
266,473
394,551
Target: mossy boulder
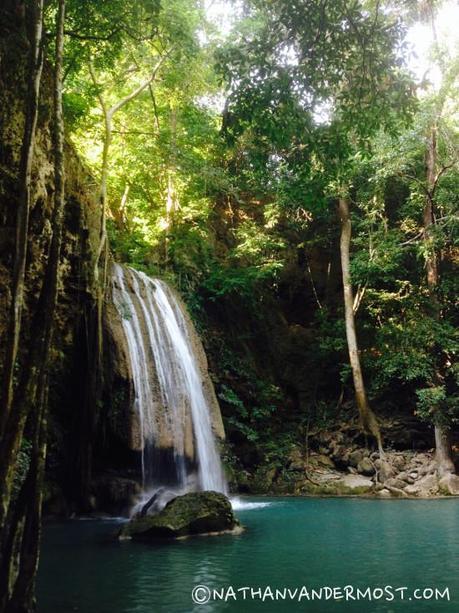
187,515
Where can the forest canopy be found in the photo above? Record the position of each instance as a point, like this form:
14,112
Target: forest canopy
239,147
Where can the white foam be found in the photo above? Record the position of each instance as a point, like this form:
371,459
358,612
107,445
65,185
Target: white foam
242,505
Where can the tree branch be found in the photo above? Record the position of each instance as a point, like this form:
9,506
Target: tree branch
79,36
118,105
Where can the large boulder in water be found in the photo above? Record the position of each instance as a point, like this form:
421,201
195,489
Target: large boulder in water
187,515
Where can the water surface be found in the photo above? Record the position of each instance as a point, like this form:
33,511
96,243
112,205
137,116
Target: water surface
289,542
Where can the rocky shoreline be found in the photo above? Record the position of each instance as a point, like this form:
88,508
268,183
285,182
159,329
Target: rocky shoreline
400,475
336,466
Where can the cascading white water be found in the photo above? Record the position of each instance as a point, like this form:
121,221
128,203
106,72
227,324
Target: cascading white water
167,381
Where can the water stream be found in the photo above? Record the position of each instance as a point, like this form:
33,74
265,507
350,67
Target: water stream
170,401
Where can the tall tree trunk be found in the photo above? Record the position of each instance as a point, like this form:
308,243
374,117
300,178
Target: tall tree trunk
34,19
444,457
367,417
29,401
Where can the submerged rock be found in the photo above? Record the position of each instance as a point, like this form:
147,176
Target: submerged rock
187,515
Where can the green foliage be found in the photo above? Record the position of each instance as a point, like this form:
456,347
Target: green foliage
302,93
318,103
242,280
434,405
253,421
250,402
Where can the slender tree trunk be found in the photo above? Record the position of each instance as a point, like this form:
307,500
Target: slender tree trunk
108,113
119,212
34,17
19,542
444,457
367,417
11,543
99,284
443,453
23,595
172,203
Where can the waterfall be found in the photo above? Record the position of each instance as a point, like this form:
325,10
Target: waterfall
173,412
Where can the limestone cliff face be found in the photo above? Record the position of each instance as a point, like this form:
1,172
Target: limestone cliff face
119,389
123,417
81,230
69,354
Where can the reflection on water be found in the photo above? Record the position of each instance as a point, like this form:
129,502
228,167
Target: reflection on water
288,543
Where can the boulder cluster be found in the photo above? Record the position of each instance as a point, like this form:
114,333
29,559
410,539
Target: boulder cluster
336,464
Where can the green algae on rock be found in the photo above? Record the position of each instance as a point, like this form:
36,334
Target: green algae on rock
191,514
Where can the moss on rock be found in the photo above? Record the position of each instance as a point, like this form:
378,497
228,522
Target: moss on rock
187,515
